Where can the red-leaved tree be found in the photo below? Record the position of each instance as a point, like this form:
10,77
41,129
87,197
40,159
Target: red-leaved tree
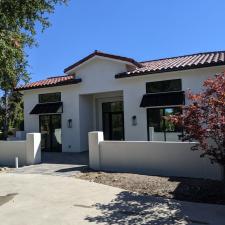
203,119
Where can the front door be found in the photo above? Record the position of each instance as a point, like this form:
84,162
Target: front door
50,128
113,121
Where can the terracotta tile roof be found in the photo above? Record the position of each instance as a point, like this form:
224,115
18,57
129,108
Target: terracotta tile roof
198,60
49,82
193,61
102,54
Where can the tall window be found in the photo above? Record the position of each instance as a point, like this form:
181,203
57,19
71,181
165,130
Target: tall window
163,129
50,97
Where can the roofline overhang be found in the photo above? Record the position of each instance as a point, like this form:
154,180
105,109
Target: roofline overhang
75,81
105,55
136,74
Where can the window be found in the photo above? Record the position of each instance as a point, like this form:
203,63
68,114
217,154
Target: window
162,97
50,97
113,121
163,86
112,106
163,129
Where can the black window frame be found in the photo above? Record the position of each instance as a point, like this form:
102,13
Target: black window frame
45,94
163,131
110,112
162,91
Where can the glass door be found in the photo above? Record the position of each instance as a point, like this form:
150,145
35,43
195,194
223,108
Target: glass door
113,121
44,121
50,128
56,143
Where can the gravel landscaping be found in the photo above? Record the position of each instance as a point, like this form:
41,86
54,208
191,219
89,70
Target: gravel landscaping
4,169
185,189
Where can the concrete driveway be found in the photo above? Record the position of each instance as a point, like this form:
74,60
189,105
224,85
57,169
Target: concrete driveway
59,164
36,199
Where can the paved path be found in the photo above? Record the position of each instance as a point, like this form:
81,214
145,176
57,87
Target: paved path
53,163
36,199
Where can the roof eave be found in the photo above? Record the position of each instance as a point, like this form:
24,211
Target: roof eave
75,81
126,75
102,54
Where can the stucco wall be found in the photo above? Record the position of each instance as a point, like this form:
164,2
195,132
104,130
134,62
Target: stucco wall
98,77
153,158
28,151
86,119
11,149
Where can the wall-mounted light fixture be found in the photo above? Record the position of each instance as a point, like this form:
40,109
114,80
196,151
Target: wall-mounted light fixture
69,123
134,120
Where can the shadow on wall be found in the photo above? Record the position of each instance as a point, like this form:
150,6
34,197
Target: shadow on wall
130,208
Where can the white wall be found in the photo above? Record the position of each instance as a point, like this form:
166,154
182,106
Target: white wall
27,151
153,158
11,149
86,119
98,76
70,136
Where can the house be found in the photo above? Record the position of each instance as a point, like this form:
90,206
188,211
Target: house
124,98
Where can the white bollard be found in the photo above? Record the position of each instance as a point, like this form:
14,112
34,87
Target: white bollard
151,133
16,162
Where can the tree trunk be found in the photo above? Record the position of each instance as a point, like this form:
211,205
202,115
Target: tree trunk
6,116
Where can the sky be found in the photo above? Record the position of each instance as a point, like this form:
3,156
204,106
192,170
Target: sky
140,29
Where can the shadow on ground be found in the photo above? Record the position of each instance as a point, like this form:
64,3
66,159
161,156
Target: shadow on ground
199,190
74,169
130,208
80,158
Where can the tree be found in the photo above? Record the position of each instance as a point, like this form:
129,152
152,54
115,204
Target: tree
203,119
18,23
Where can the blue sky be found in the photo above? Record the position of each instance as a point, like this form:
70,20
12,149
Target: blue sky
140,29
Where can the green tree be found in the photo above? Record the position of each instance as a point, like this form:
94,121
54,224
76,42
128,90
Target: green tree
18,22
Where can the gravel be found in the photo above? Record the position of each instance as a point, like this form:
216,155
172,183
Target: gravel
185,189
4,169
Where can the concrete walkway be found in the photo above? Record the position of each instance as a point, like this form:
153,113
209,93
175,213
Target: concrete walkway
35,199
59,164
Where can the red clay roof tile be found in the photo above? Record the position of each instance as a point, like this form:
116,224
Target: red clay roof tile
193,61
51,81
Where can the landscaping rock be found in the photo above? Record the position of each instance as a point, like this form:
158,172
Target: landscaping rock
185,189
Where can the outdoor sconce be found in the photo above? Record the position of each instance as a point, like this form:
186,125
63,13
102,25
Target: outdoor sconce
134,120
69,123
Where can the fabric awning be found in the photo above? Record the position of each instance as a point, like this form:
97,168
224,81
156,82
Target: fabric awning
163,99
42,108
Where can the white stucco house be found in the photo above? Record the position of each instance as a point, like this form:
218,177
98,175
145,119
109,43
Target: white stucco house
123,98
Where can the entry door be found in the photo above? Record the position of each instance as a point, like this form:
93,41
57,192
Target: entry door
113,121
50,128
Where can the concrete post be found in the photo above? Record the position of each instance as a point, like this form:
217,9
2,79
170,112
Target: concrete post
33,148
94,138
151,133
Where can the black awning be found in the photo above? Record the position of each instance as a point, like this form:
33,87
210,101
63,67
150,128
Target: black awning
163,99
53,107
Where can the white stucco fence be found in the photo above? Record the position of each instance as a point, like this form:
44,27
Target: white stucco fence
28,151
150,157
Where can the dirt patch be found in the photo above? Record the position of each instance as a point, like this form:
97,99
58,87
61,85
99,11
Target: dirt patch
186,189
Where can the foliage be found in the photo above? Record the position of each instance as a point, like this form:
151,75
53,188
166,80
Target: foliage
18,23
204,119
15,110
